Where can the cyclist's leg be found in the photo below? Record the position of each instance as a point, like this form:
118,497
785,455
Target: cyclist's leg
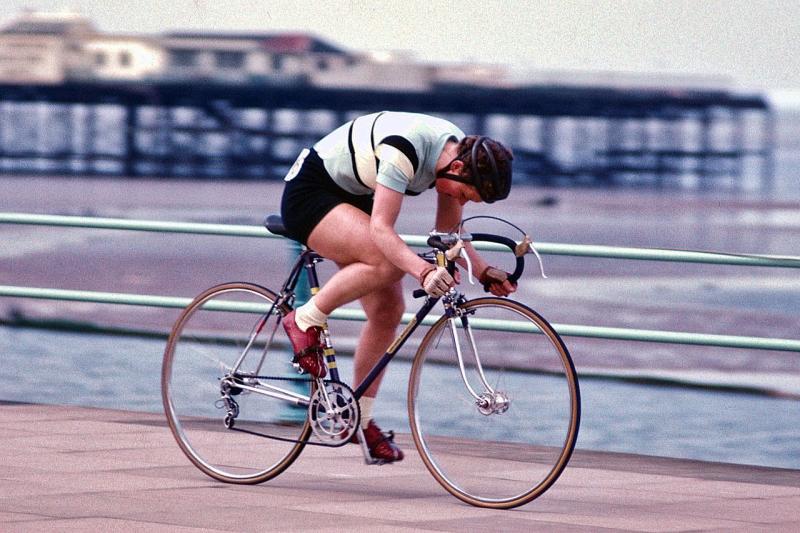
343,237
365,274
384,309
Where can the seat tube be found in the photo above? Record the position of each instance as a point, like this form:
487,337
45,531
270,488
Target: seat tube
328,352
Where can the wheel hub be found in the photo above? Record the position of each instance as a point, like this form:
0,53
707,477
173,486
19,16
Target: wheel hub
491,403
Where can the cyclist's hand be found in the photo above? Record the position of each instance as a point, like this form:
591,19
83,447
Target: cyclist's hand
496,281
437,282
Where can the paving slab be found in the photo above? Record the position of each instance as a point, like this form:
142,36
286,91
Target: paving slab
68,468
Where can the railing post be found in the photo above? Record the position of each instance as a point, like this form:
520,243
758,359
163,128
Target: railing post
131,155
302,292
293,413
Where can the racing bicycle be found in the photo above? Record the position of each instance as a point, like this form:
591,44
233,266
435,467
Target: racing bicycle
493,396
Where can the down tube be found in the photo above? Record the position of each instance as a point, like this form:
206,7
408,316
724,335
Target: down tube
395,347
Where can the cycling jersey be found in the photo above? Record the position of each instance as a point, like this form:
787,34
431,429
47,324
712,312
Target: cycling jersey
397,150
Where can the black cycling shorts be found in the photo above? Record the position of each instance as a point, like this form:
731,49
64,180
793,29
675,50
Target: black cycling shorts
311,194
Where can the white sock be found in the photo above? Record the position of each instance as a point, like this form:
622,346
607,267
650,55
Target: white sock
366,403
309,315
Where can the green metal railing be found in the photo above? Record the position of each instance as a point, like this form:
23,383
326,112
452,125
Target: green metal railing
628,334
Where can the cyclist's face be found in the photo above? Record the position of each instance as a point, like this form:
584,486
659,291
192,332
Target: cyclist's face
462,192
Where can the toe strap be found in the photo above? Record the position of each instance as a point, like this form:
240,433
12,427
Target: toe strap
311,350
386,445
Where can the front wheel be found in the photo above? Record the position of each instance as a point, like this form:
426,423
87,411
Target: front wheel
494,403
232,399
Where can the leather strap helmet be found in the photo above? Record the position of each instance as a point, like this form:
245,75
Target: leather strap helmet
489,175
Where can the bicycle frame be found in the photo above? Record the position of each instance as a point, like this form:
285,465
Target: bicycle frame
307,261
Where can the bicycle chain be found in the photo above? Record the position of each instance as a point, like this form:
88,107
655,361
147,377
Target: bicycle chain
283,439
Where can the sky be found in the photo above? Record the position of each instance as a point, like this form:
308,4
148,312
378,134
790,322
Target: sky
755,44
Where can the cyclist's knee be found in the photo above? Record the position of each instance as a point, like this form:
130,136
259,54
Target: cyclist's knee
387,273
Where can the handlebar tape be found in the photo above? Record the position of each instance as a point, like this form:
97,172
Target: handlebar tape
505,241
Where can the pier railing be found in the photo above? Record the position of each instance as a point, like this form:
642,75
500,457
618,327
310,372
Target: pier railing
628,334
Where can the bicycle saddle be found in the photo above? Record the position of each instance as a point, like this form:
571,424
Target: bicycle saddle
274,223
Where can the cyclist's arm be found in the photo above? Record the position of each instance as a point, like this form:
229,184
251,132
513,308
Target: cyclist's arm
448,216
385,211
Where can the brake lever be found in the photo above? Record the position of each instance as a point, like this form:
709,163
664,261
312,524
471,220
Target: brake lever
458,251
526,247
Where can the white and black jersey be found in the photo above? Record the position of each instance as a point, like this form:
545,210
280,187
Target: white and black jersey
397,150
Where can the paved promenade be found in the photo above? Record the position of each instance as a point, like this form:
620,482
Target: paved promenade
77,469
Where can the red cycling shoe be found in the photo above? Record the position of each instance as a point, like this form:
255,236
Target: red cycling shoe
307,347
381,445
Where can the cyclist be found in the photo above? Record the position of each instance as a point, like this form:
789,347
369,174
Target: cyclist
342,199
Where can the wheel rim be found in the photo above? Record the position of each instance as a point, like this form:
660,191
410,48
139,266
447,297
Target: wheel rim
533,422
216,423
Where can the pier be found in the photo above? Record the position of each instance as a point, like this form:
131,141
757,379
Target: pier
585,136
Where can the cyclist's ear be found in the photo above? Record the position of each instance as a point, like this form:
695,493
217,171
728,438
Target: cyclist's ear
456,166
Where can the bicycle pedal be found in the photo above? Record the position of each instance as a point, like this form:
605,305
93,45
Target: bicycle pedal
362,443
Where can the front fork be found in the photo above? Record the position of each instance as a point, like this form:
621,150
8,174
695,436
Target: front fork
489,401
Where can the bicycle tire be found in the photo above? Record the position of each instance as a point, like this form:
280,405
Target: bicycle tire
208,337
467,451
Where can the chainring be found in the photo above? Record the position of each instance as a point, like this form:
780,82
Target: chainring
334,413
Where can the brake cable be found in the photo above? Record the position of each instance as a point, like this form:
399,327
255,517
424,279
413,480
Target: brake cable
523,247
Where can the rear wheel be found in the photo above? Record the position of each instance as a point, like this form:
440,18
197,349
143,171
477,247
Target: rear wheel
225,350
498,431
